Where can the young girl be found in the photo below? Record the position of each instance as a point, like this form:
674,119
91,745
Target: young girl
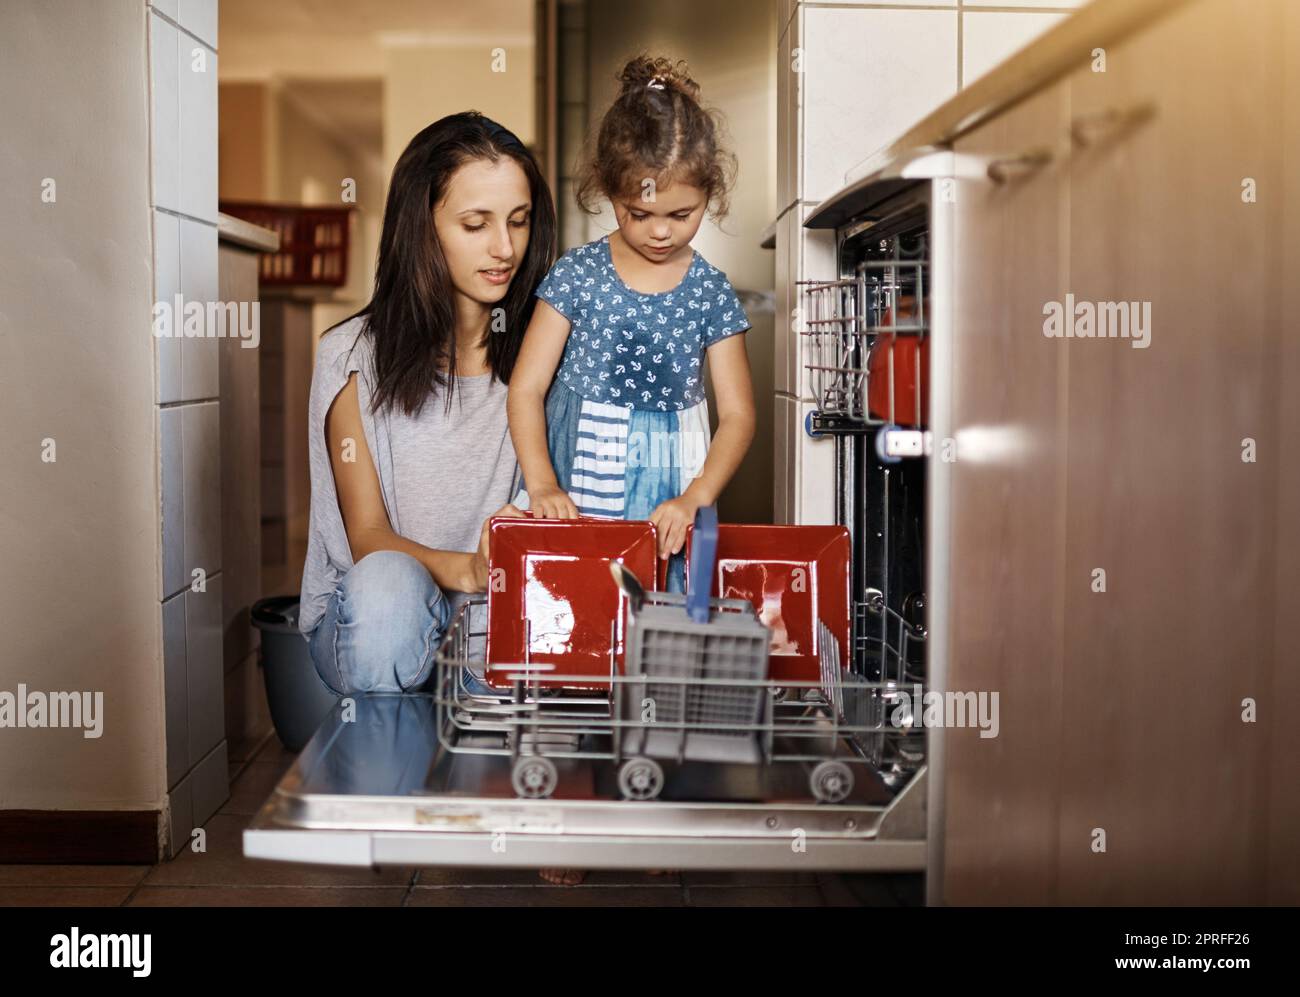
628,320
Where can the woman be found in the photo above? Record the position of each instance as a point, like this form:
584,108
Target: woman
409,446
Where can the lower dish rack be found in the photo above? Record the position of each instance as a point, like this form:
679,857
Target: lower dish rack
535,776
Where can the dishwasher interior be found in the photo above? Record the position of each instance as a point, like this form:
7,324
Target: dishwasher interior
827,775
867,336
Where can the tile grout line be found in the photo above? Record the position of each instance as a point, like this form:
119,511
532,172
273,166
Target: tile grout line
182,29
182,216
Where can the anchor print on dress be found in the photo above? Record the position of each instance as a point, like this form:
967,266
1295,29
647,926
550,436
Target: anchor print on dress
599,360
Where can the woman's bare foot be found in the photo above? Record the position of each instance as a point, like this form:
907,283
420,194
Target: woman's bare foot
563,877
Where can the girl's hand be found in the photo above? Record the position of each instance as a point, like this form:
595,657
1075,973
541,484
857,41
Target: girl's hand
552,502
671,519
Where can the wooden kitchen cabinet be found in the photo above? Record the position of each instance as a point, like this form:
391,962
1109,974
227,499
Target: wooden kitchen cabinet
1122,709
1282,858
1155,749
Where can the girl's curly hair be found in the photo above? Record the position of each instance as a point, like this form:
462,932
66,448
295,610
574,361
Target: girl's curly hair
657,129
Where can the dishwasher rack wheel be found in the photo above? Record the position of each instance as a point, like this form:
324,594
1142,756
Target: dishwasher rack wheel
640,779
534,777
831,782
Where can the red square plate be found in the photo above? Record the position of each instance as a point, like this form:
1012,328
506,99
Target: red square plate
551,598
793,576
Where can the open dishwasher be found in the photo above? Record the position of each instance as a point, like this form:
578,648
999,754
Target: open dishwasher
821,775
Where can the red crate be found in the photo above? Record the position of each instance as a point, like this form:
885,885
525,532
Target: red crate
313,242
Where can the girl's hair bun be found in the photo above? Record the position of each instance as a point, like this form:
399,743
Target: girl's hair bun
656,128
644,72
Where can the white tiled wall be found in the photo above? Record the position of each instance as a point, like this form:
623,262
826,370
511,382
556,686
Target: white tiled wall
851,78
183,136
198,282
203,669
198,17
197,69
1053,4
867,75
815,471
201,474
171,448
800,255
164,46
176,688
167,284
990,36
782,428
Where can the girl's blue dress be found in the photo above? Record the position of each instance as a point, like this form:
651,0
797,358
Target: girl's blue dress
627,421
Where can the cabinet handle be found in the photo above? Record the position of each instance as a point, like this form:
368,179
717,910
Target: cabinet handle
1009,168
1089,129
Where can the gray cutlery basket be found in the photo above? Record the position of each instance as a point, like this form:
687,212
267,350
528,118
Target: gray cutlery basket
700,644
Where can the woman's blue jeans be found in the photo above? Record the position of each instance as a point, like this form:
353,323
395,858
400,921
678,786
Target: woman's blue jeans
382,627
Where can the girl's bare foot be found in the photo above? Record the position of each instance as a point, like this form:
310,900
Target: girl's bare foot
563,877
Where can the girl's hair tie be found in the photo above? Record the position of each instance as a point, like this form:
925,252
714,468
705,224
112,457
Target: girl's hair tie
656,83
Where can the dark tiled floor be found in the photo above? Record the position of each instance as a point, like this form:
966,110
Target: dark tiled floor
220,876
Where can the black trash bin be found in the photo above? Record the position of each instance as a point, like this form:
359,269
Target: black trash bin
299,700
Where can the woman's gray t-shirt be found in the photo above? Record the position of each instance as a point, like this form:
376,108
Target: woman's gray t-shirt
441,473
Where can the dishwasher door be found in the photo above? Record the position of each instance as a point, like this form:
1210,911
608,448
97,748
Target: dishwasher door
375,787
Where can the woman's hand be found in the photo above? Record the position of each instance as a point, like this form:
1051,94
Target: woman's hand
478,564
671,519
552,502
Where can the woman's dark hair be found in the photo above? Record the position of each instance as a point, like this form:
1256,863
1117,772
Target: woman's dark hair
657,128
411,317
